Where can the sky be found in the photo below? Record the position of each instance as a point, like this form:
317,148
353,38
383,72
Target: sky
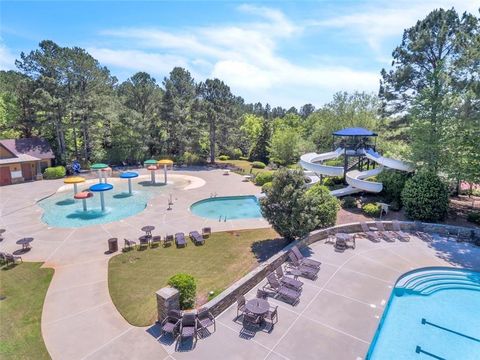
285,53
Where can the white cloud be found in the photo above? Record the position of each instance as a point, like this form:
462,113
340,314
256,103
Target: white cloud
7,59
138,60
245,56
375,24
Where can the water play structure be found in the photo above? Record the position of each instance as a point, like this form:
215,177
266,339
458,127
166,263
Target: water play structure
129,175
74,180
357,147
101,188
152,167
99,167
84,195
165,163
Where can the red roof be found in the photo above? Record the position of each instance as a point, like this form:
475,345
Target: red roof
36,147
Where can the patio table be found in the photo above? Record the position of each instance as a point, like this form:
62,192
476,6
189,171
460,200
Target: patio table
148,230
258,306
25,242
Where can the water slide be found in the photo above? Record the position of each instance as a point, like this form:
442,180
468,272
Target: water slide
355,179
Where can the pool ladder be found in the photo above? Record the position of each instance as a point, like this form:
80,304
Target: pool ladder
220,218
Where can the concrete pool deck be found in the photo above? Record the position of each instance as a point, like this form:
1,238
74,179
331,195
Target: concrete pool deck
335,319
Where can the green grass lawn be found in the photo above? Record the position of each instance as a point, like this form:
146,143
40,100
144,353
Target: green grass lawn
135,276
24,287
244,166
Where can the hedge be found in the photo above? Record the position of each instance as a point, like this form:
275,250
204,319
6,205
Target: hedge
372,210
258,165
55,172
187,287
263,178
474,217
223,157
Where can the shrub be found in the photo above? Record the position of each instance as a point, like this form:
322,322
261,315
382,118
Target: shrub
333,180
372,210
349,202
237,154
267,186
263,177
244,158
322,205
474,217
258,165
223,157
395,206
189,158
187,287
425,197
55,172
393,183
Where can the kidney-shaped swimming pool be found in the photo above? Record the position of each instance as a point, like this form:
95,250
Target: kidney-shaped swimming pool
229,207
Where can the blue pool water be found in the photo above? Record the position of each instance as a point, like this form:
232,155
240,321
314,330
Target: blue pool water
433,313
233,207
61,210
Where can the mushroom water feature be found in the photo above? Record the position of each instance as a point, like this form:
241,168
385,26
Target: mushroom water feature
101,188
84,195
129,175
74,180
99,167
152,167
165,163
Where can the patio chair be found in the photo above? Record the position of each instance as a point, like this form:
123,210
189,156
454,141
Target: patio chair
387,235
251,321
168,240
369,234
10,258
171,324
289,295
272,315
206,319
144,241
330,236
156,240
420,232
305,261
206,232
288,281
129,244
241,306
180,240
402,235
261,294
197,238
188,327
302,270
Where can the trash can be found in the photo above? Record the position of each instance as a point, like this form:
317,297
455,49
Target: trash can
112,245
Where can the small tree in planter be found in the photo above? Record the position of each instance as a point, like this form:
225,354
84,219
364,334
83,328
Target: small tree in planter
187,287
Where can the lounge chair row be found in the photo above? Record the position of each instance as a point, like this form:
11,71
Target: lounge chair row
187,325
179,238
380,233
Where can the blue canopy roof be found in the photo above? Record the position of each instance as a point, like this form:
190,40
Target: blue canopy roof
101,187
354,132
128,175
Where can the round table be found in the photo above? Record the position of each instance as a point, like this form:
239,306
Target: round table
148,229
25,242
257,306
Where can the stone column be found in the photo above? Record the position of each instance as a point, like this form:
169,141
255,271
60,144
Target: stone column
168,298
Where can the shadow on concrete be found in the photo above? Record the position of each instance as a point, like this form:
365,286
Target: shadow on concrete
461,254
264,249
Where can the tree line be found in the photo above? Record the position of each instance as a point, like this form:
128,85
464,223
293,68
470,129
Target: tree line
427,110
